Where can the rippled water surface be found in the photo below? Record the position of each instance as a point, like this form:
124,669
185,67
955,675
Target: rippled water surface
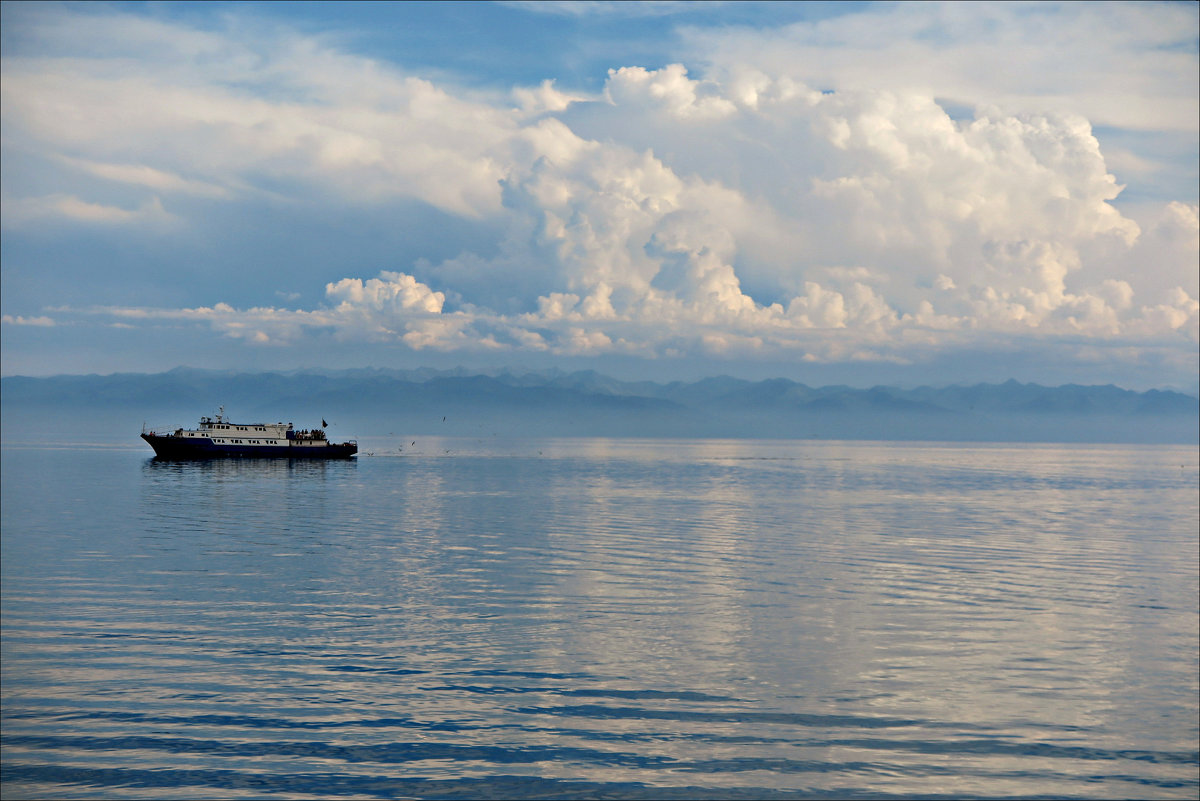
600,618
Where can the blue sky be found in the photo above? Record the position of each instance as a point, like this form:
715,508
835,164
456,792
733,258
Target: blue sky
852,192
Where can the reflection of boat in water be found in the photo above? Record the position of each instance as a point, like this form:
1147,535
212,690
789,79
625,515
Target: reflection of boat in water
218,437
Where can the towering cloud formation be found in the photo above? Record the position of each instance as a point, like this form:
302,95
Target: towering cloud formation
742,212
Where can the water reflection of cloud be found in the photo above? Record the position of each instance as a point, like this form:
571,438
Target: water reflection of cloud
837,604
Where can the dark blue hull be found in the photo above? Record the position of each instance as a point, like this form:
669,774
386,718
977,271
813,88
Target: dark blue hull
171,447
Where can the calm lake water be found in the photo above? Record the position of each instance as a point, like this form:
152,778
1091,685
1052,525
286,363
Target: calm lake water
602,618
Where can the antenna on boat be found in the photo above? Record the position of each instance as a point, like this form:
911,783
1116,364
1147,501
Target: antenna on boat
220,414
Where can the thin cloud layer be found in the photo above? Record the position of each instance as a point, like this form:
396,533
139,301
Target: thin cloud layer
1118,64
761,209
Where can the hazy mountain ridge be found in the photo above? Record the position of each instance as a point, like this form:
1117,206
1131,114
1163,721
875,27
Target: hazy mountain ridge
461,402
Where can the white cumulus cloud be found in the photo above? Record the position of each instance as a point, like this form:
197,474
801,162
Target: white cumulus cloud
761,202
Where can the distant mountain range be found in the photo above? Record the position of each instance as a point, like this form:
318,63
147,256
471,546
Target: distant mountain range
366,402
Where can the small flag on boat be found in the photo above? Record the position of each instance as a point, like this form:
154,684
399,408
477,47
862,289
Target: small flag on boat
323,423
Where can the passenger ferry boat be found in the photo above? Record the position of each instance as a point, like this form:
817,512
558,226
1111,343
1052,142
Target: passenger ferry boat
219,437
